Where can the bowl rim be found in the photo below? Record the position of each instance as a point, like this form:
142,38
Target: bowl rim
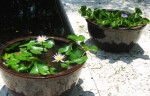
37,76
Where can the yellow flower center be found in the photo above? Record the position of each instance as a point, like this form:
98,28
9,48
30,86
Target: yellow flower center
42,39
58,58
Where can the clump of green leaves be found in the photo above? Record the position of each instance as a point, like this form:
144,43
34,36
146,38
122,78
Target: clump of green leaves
114,19
23,57
76,54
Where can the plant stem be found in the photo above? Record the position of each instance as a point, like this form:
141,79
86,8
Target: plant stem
83,53
43,48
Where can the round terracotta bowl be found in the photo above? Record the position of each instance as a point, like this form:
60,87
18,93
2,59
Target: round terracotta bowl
38,85
114,40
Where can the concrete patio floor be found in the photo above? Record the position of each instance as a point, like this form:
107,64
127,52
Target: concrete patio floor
109,74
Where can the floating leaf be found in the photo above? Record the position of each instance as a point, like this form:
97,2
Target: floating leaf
114,24
88,14
64,65
103,13
29,44
34,69
82,10
12,61
146,20
6,56
39,69
96,12
94,48
43,69
22,68
49,43
52,70
25,53
138,11
37,50
81,60
66,48
105,22
78,60
14,67
12,46
76,54
76,38
19,56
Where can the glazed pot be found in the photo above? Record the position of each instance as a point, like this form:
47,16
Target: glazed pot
38,85
114,40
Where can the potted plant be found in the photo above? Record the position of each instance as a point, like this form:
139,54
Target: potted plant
114,30
41,65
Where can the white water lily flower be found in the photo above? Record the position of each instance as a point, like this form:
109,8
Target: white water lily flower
41,38
58,57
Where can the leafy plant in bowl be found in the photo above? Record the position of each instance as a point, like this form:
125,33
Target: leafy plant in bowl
114,30
44,62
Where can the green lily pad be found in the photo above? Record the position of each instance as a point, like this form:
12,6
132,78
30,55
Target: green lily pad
66,48
94,48
12,46
49,43
76,38
39,69
76,54
12,61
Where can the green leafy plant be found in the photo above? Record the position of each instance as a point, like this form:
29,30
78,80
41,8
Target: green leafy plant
35,57
114,19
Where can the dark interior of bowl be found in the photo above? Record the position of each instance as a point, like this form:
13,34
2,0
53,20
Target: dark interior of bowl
21,18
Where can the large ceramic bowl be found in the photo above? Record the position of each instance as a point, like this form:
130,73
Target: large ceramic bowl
114,40
38,85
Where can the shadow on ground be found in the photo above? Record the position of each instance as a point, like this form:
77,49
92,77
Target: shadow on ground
78,91
135,53
74,91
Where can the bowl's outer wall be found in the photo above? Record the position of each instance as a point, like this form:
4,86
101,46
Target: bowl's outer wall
40,87
37,85
114,39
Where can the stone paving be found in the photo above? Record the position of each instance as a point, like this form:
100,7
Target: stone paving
110,74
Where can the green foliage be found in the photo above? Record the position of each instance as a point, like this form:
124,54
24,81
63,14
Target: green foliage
76,54
22,68
113,19
66,48
19,57
146,20
81,60
39,68
49,43
12,46
37,50
82,11
53,70
64,65
12,61
94,48
29,44
7,56
76,38
137,11
25,53
23,56
78,60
